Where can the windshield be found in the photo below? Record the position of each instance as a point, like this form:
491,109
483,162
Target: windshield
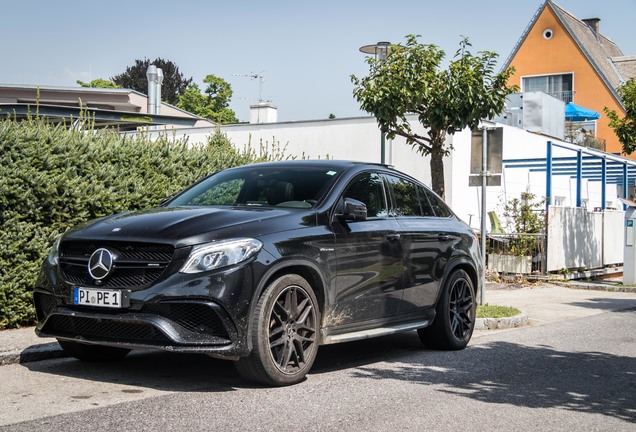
283,186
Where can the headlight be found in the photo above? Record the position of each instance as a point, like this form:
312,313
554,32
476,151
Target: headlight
54,255
211,256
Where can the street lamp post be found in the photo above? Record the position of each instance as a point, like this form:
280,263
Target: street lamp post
381,52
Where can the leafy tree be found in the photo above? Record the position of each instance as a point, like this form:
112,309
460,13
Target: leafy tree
98,83
192,100
173,85
219,92
625,128
410,80
213,104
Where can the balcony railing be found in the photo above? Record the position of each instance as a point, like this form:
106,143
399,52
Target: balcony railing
565,96
582,134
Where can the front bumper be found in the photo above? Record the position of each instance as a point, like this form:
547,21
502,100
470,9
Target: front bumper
199,313
194,326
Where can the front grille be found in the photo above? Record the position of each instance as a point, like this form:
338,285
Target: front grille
135,264
132,251
122,277
104,329
196,317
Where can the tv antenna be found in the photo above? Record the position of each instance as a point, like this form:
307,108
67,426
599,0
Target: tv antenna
261,81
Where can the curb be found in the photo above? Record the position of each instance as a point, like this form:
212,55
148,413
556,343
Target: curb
33,353
501,323
597,287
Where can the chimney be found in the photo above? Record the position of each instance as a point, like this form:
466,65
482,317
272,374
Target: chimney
155,78
593,24
158,92
263,113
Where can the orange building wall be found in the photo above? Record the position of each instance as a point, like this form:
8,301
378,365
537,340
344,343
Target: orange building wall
560,54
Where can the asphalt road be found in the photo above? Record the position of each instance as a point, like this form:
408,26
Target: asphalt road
576,375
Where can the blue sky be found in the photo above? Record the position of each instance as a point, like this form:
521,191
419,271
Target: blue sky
305,50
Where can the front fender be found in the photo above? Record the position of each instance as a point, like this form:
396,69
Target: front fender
308,269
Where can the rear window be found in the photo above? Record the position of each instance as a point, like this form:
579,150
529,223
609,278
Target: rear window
439,207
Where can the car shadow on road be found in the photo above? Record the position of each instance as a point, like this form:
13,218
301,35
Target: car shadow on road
173,372
158,370
606,304
364,352
512,374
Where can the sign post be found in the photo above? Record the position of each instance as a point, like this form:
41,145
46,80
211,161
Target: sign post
486,167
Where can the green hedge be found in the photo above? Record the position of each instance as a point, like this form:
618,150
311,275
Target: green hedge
52,177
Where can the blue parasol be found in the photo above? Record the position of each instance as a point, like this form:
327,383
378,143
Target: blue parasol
575,112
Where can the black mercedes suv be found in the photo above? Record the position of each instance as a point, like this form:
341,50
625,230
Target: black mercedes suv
263,263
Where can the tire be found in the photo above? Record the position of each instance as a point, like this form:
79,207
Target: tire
454,320
284,332
92,353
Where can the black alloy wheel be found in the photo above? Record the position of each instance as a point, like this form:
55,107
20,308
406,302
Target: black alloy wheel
455,315
461,309
284,333
292,329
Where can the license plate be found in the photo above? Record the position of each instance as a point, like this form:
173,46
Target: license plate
97,297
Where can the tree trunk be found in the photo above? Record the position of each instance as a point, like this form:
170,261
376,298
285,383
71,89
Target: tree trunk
437,169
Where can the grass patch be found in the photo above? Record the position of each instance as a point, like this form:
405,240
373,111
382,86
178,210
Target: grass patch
492,311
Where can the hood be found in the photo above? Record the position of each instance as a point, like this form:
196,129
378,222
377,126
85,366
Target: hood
184,226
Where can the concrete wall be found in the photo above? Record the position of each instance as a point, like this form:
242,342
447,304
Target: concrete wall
355,139
359,139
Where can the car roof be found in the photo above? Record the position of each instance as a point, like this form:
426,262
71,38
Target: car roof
329,164
326,163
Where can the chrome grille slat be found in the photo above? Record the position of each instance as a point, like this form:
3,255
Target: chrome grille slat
137,264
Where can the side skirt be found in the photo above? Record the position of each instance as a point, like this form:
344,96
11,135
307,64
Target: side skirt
371,333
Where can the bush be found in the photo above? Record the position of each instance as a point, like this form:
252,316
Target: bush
54,177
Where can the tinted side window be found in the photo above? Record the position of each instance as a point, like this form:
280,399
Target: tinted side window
405,195
368,188
439,206
427,210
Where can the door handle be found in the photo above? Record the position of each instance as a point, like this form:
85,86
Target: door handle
393,237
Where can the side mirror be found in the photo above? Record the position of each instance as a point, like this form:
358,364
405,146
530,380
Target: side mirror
353,210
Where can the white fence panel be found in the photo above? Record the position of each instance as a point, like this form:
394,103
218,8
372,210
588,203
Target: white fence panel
613,237
575,239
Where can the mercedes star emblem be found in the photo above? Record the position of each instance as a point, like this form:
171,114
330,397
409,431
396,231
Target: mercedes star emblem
100,264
